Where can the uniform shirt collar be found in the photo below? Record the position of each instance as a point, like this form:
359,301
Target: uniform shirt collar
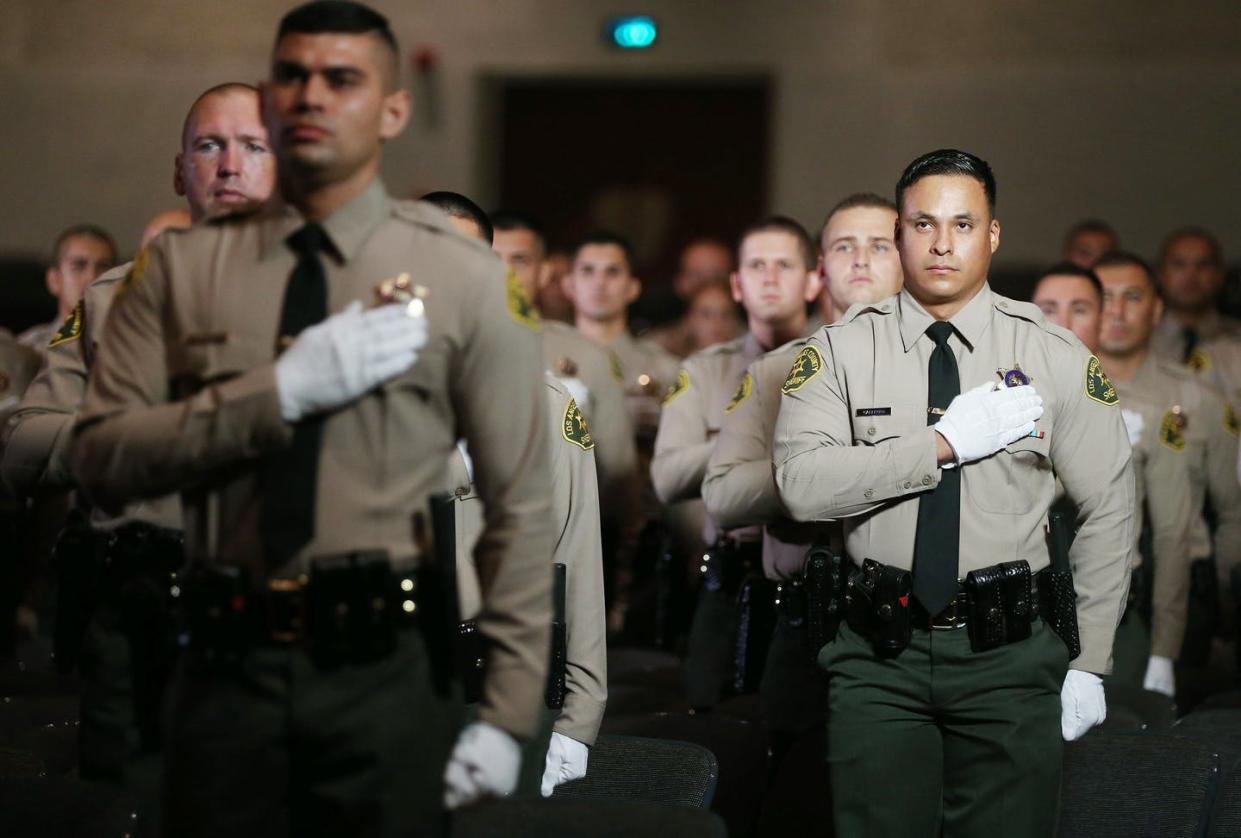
970,322
347,228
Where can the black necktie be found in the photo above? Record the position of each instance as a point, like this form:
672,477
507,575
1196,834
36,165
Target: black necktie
291,476
1190,334
937,544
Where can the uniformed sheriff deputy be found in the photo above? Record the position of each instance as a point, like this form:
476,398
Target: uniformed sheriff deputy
1188,438
774,281
306,432
945,693
860,263
121,562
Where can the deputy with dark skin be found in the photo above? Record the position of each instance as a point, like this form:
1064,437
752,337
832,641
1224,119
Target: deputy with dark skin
856,440
393,392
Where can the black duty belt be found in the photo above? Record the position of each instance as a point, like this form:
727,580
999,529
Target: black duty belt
957,614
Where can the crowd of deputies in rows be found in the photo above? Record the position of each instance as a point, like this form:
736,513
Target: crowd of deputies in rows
351,494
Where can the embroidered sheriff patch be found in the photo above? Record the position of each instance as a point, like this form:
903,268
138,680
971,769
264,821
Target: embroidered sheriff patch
805,367
678,387
574,428
1198,361
71,329
519,306
1172,430
743,392
1231,424
1098,387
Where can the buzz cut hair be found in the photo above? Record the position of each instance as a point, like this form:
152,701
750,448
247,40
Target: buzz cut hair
1217,252
218,90
1125,259
93,231
320,17
857,200
459,206
782,224
948,161
509,221
1072,269
607,237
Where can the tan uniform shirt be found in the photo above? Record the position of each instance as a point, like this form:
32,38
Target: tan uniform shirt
1169,463
739,488
575,524
852,442
646,371
203,312
18,366
693,411
1218,363
38,337
37,452
1168,339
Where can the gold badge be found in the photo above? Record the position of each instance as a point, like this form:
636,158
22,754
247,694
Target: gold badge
743,392
1172,429
678,387
1098,387
805,367
402,291
1231,424
519,306
1198,361
574,428
71,329
615,367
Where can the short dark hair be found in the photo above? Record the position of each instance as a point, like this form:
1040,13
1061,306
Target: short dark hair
330,16
781,224
1091,225
1071,269
94,231
218,90
948,161
509,221
1125,259
857,199
1217,252
459,206
607,237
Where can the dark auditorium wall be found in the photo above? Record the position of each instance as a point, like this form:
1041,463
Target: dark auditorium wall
1124,109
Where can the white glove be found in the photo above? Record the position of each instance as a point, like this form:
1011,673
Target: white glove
333,362
484,763
1159,676
566,760
1082,705
1133,425
983,420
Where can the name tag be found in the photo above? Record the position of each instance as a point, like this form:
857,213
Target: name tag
873,411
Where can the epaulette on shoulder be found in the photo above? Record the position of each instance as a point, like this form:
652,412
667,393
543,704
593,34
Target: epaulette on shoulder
1034,315
795,343
728,347
430,217
113,275
859,310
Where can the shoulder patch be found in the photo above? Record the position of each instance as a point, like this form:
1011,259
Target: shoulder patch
615,368
71,329
1198,361
805,367
137,270
1231,424
678,387
574,428
519,306
1098,387
743,392
1172,430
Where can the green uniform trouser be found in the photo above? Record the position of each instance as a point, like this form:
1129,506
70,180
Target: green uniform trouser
711,649
940,736
275,746
793,693
1131,651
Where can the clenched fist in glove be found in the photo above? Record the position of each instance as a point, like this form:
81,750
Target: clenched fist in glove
348,354
1081,704
484,763
983,420
566,760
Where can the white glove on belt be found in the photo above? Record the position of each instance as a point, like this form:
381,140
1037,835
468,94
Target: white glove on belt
566,760
484,763
333,362
1160,677
983,420
1133,425
1082,705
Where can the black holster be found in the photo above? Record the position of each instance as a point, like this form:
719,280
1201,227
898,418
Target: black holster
726,564
826,574
756,618
877,606
1057,596
555,692
1000,604
350,608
